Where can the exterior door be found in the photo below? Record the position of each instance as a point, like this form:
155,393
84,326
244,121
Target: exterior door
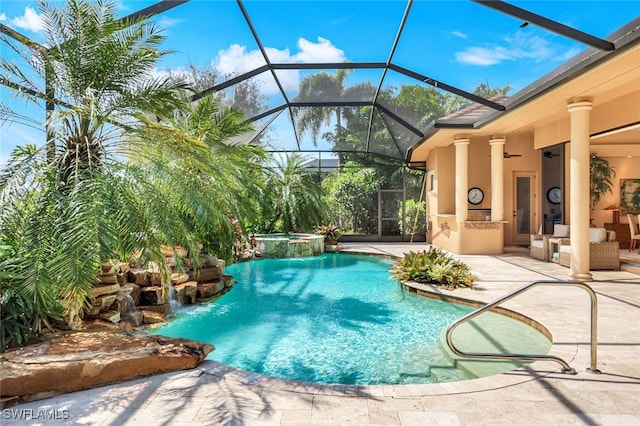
523,207
390,214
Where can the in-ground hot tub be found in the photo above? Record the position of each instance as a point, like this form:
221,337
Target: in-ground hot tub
282,246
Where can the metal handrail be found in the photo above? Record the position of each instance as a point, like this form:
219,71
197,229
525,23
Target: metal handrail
532,357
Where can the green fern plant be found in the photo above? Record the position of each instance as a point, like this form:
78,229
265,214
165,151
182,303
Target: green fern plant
433,266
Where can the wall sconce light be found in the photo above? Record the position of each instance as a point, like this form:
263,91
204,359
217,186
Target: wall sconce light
616,212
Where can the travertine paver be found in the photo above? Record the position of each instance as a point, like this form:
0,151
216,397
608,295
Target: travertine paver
534,395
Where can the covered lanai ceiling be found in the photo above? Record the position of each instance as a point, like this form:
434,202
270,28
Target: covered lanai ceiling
383,50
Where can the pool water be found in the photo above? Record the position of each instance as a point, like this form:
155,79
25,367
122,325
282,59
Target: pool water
335,318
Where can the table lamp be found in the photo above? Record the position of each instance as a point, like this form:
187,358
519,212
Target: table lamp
616,212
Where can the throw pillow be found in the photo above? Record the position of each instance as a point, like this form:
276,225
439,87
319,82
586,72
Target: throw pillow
561,231
597,235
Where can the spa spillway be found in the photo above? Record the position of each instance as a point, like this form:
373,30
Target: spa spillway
282,246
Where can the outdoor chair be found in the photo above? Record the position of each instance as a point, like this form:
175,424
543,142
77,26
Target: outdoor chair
604,250
539,245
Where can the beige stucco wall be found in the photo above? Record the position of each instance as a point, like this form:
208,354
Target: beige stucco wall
543,122
479,170
442,162
603,117
467,237
529,162
462,237
608,115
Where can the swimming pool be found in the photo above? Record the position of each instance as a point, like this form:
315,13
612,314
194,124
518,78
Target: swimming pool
338,318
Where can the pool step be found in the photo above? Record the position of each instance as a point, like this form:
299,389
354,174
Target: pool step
494,333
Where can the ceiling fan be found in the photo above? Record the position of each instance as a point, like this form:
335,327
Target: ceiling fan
549,154
507,155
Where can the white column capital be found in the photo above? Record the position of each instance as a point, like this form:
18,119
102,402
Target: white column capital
461,141
497,141
580,104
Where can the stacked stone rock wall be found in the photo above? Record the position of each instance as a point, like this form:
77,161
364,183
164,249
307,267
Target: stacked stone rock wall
130,295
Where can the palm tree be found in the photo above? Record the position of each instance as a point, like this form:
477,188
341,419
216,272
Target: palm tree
327,87
117,175
229,173
297,197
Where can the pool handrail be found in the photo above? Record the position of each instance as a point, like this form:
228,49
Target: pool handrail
532,357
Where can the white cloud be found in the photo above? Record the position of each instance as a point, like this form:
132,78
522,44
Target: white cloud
168,22
121,6
322,51
483,56
29,21
237,59
3,17
520,46
459,34
18,135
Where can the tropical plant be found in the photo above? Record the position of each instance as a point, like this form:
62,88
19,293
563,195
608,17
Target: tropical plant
601,175
119,175
331,233
21,317
229,175
416,217
433,266
350,197
296,198
245,96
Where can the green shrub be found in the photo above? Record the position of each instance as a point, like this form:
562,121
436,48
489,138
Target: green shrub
415,225
22,316
433,266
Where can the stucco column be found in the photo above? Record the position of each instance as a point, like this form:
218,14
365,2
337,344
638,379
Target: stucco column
579,110
497,178
462,178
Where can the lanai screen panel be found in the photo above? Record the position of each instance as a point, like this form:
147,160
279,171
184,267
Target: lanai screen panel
326,31
465,51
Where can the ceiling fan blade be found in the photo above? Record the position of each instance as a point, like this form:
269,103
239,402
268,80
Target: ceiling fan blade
507,155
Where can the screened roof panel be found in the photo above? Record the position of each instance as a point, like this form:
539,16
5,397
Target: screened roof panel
324,28
197,32
466,42
248,95
332,85
382,140
382,72
403,137
599,18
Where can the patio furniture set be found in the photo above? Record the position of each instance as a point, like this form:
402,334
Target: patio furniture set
604,250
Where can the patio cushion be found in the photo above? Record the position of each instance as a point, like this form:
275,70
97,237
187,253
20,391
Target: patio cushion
538,243
597,235
561,231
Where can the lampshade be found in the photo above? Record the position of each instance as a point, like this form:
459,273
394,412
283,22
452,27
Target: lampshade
616,212
614,207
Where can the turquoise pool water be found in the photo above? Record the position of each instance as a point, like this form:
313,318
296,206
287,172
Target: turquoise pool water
335,318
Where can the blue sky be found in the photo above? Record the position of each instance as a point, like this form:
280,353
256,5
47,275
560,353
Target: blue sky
458,42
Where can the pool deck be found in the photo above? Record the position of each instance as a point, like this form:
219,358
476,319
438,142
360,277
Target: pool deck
538,394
